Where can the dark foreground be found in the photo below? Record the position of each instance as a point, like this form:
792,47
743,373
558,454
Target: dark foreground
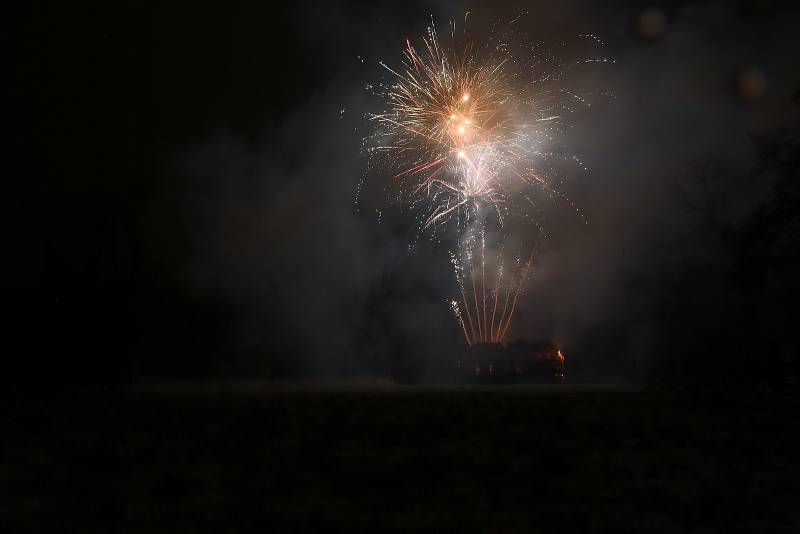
456,460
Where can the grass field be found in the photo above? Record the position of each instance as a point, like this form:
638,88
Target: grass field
377,459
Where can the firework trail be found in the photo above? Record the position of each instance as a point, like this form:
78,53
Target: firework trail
470,133
484,310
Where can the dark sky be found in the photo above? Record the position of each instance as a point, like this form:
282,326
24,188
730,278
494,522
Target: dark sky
187,177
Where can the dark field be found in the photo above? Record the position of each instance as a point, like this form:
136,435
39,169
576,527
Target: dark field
394,459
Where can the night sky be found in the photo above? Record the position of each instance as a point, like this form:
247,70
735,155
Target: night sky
183,199
217,319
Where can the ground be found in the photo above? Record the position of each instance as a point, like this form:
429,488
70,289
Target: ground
378,459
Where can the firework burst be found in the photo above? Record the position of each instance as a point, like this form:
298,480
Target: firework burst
470,134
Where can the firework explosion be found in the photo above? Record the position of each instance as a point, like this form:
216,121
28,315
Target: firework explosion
471,133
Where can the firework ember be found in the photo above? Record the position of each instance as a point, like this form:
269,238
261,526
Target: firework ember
470,133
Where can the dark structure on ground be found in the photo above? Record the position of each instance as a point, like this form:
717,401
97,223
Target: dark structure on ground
518,362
